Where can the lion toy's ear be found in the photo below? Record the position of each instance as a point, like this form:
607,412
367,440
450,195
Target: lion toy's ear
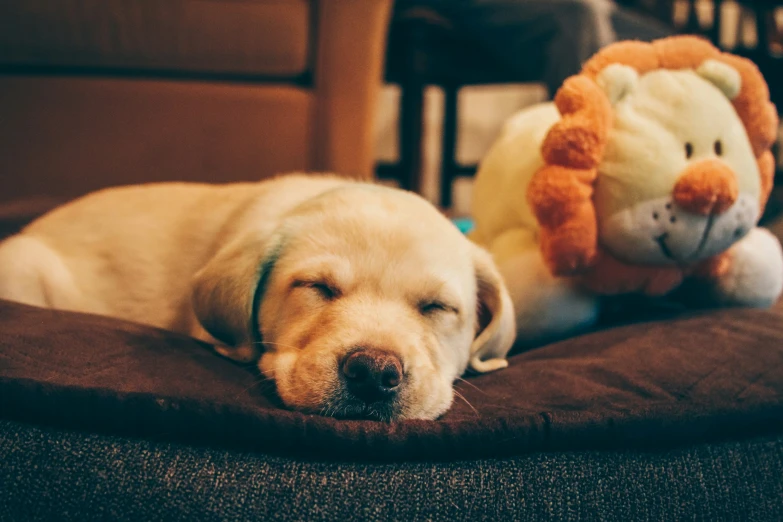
721,75
617,81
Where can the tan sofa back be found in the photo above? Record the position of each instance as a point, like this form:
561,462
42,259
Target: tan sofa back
100,93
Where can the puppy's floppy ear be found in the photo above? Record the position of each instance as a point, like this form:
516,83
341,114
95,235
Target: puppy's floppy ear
227,293
496,327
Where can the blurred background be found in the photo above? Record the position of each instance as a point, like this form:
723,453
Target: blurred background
96,93
473,104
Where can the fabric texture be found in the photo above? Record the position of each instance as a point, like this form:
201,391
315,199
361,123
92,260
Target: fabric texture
59,475
262,37
70,136
654,384
188,105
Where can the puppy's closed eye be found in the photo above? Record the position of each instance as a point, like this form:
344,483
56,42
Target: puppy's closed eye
325,289
432,307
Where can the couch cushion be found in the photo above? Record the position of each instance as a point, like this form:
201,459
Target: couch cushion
66,136
714,376
707,375
52,474
257,37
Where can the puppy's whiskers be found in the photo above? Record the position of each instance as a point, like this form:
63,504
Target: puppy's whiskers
471,385
458,394
281,345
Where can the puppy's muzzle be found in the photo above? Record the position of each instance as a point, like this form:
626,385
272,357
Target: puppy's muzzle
372,375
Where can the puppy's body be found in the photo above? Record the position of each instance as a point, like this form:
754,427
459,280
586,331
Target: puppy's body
318,270
132,252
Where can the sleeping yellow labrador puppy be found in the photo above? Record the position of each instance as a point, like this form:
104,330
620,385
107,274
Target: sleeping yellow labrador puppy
359,301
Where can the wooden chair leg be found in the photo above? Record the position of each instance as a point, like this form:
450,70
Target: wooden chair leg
762,30
411,130
717,21
692,24
448,169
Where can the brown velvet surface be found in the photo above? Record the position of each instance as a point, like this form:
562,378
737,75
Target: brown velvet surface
688,377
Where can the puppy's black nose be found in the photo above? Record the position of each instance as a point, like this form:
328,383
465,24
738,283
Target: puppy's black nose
372,375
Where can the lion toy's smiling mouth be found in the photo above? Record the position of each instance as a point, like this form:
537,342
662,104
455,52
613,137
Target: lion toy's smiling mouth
662,232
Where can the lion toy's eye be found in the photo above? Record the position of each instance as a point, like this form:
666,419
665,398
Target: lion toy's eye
718,146
688,150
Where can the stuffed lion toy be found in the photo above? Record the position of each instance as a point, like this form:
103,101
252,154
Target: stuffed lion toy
651,166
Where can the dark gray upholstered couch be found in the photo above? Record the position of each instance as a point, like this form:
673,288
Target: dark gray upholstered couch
53,474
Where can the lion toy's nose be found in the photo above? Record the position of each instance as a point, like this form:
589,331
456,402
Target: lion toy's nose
706,187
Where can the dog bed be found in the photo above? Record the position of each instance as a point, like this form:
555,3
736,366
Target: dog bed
672,380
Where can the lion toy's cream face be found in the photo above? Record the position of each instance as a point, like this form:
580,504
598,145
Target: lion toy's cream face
679,182
373,313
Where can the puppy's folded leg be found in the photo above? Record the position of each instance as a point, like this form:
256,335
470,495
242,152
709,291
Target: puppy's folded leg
34,274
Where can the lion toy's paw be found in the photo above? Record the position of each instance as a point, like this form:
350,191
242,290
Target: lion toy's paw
755,273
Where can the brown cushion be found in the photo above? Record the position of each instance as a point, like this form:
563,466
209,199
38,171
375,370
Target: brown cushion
702,376
259,37
648,385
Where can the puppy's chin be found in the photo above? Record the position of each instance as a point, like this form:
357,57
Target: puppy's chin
343,406
310,387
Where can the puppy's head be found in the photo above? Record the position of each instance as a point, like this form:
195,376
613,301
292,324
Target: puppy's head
368,304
